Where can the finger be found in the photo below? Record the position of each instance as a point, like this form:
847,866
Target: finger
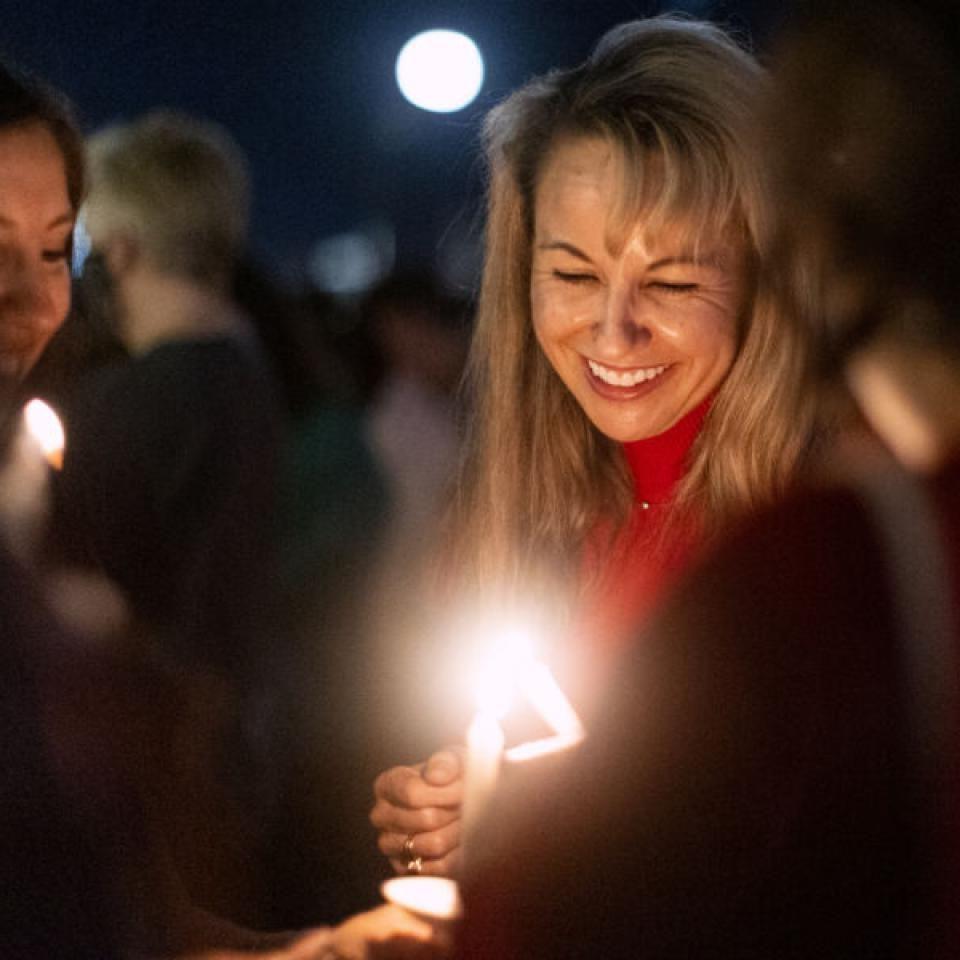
444,767
405,787
391,819
307,947
394,921
448,866
429,846
389,929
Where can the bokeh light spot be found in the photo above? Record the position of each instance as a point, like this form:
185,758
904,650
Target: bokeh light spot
440,71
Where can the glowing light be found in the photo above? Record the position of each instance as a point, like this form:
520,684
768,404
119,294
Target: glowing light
510,667
499,666
435,897
544,693
45,428
440,71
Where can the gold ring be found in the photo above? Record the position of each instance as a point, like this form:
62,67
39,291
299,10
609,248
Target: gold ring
414,863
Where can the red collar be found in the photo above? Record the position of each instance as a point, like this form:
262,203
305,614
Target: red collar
658,463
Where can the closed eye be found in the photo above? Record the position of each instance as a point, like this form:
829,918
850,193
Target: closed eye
577,279
675,289
58,254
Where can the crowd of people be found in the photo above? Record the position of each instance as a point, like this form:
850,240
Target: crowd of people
708,431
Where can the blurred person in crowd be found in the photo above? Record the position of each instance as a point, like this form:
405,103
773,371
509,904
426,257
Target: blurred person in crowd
83,873
315,717
776,774
169,484
191,422
634,387
421,333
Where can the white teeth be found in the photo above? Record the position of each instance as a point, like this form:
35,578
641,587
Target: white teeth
624,378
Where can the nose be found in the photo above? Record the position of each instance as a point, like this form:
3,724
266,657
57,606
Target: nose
623,325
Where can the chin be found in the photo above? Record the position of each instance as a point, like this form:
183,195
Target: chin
620,433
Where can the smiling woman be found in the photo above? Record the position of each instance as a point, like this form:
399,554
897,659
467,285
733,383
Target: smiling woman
633,388
36,222
41,185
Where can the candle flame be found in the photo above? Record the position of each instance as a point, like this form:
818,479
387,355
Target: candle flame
45,428
510,667
499,668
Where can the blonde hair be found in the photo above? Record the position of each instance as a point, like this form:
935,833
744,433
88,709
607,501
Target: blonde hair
180,186
538,475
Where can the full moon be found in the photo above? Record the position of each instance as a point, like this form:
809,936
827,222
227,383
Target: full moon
440,71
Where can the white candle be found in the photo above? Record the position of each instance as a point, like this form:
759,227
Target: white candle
484,750
24,477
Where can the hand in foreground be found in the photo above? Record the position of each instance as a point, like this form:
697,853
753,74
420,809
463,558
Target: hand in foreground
417,814
386,933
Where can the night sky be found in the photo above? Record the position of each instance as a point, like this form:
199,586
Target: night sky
307,88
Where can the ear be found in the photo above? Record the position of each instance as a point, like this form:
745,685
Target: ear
121,253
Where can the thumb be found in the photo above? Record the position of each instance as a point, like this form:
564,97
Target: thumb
442,768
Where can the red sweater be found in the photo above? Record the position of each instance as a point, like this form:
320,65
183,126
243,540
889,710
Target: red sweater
624,578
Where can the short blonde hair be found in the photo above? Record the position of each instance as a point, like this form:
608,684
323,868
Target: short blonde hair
538,476
180,186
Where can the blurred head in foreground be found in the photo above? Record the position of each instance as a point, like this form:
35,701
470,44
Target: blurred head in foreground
864,135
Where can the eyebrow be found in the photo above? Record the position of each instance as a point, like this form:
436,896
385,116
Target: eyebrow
566,247
67,218
689,260
714,260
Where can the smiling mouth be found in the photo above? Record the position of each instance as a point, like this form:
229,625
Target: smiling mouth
625,378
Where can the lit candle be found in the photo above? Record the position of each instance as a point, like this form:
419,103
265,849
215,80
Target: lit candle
44,426
37,445
511,666
494,682
434,898
485,742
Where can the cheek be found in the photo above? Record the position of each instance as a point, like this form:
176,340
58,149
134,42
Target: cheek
60,296
707,337
557,317
545,320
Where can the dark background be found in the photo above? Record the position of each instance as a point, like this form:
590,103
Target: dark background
307,88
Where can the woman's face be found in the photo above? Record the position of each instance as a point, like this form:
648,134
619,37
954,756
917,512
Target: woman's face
36,221
640,335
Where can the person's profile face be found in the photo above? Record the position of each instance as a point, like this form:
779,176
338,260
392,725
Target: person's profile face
641,334
36,222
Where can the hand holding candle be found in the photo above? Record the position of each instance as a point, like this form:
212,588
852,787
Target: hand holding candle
424,812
